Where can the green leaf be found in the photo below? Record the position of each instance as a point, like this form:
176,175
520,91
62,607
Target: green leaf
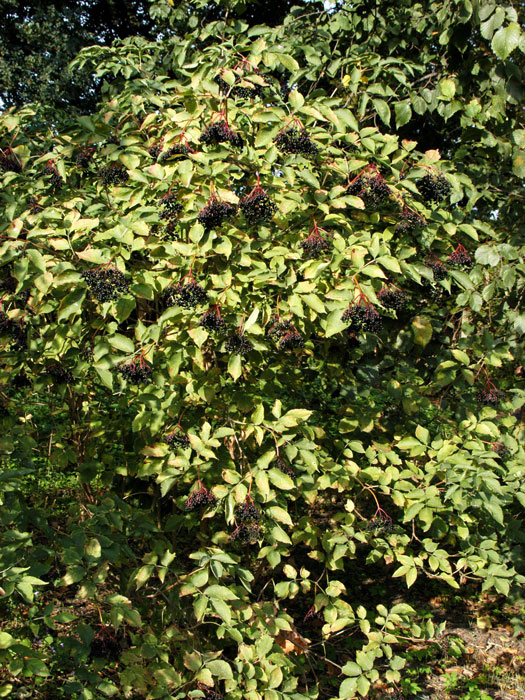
6,640
120,342
505,40
235,366
382,109
448,88
222,610
352,669
403,113
421,330
280,480
220,592
220,669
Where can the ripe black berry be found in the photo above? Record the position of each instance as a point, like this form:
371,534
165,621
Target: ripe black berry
460,259
241,91
392,298
84,157
179,149
215,212
296,140
257,206
170,208
171,231
213,322
177,438
238,344
278,328
282,466
491,395
439,270
292,339
247,533
113,174
200,497
316,244
362,316
500,449
136,372
410,221
9,161
247,512
370,185
105,283
155,149
188,294
381,522
220,132
34,206
433,187
57,181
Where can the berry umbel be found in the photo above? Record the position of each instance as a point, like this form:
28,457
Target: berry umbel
439,270
213,322
215,213
135,371
56,179
177,438
433,186
84,157
362,316
243,87
460,259
248,517
170,207
9,161
295,140
316,244
220,132
257,207
392,297
410,221
113,174
105,283
200,497
188,293
490,395
179,150
371,186
238,344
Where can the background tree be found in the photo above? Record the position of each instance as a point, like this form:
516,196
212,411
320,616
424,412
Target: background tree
279,344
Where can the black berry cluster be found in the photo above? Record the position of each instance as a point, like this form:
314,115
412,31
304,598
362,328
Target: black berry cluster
177,438
84,157
433,187
34,206
87,352
410,221
105,283
9,161
238,344
113,174
213,322
171,231
278,328
188,294
21,381
248,516
155,150
215,212
170,208
500,449
179,149
57,181
282,466
362,316
242,91
460,259
381,522
439,270
292,339
316,245
220,132
296,140
392,298
136,372
490,395
370,186
200,497
59,373
257,207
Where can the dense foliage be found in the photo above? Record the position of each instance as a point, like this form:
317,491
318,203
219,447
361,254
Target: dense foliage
266,303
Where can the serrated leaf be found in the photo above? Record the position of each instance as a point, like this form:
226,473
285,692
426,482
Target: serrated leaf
220,669
506,39
235,366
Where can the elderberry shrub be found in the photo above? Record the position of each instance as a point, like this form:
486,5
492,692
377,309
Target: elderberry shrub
59,373
9,162
213,322
362,317
113,174
257,207
410,221
105,283
292,339
247,512
238,344
460,259
215,212
84,157
392,298
278,328
296,141
241,91
372,188
18,336
188,295
57,182
87,352
34,206
490,396
315,245
500,449
171,231
220,132
177,438
135,372
200,497
179,149
434,187
247,533
170,207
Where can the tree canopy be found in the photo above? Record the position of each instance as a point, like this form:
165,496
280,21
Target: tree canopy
265,301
